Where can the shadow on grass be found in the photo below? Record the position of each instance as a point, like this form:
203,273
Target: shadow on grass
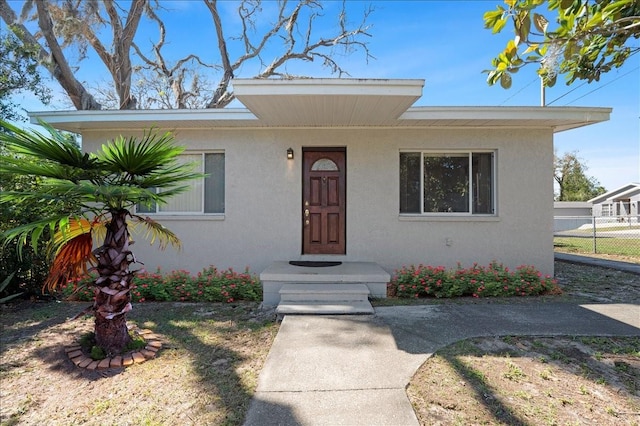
220,340
484,393
212,345
568,369
23,320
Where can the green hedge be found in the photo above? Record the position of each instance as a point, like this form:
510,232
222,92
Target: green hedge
493,280
210,285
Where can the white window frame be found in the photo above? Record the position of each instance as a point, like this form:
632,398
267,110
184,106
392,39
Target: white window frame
458,152
202,193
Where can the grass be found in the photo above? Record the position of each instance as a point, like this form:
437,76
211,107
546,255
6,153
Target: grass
205,373
212,355
613,246
476,382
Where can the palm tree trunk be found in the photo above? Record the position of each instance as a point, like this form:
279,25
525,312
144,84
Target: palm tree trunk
113,286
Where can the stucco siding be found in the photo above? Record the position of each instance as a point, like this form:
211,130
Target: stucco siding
263,203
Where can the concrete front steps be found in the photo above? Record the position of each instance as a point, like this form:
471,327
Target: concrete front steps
324,299
333,290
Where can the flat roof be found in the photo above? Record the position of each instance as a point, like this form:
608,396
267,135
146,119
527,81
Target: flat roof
324,102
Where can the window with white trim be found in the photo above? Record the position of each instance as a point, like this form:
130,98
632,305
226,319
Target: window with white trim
206,195
447,183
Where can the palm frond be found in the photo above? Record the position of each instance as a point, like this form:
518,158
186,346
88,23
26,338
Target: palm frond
71,229
52,189
55,147
32,231
139,157
72,248
156,231
71,260
18,166
169,177
26,197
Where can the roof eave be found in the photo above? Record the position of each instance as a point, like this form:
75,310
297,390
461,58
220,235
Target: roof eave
555,118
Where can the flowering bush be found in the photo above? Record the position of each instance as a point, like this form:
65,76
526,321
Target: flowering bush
210,285
494,280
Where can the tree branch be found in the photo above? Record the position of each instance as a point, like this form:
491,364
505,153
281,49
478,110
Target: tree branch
218,96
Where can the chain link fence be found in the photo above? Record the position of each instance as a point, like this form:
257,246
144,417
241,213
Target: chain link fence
614,235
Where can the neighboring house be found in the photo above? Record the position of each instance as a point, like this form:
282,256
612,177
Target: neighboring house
621,204
349,170
571,214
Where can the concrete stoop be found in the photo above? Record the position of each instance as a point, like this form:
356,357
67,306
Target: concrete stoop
341,289
324,299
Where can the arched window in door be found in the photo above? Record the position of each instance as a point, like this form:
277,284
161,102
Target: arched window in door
325,165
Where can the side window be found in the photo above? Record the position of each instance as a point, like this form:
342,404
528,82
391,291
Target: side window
206,196
447,183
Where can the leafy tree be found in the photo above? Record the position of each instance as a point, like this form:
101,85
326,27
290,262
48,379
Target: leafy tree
575,185
18,72
30,270
71,28
588,38
106,186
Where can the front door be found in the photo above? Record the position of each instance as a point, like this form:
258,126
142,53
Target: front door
324,201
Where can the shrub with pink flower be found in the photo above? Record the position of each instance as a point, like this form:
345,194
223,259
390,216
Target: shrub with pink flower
493,280
210,285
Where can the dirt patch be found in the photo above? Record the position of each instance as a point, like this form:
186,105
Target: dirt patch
205,373
583,283
532,380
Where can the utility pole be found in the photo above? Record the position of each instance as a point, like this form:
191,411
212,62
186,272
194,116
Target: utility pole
543,101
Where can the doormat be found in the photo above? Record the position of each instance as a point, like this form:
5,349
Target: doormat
313,264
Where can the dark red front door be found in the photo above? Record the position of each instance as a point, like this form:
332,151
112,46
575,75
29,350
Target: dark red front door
324,201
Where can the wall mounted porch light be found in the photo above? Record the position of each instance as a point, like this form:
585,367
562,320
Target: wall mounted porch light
290,154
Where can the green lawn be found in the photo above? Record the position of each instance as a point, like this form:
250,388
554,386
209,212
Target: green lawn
615,246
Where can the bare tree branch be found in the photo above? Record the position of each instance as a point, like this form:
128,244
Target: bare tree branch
55,60
219,98
174,77
164,81
286,27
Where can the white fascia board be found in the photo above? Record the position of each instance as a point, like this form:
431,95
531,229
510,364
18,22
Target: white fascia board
327,86
92,119
586,114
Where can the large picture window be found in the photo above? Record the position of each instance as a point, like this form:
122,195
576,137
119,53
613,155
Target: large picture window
205,196
447,183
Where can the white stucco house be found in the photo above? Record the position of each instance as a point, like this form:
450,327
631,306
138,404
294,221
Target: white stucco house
622,203
349,170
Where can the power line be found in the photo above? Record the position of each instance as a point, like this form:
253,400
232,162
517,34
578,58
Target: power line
597,88
515,94
562,96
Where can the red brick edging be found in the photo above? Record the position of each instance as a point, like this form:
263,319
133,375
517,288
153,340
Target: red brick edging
76,355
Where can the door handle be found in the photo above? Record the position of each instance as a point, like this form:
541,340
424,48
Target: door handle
306,212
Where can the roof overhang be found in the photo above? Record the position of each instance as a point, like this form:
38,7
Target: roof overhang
323,103
327,102
617,194
556,118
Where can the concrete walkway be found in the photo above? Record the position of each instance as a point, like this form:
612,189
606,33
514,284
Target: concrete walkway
353,370
633,268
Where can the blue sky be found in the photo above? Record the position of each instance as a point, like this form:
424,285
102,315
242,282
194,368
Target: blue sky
444,43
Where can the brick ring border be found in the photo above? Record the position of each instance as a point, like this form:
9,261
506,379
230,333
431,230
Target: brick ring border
150,351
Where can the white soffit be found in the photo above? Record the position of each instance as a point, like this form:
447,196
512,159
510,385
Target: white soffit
327,101
323,103
556,118
138,119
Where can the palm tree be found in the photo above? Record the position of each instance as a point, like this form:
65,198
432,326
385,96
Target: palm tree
105,186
